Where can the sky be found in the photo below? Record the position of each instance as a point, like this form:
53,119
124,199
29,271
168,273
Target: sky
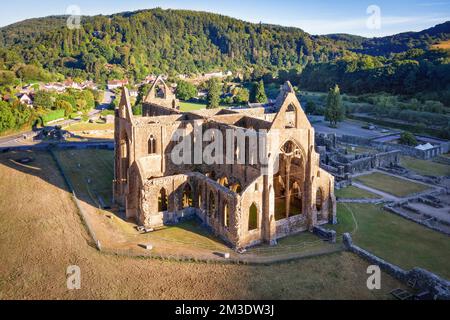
373,18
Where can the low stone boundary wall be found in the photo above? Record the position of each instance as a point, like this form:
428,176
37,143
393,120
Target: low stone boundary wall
83,214
442,160
392,209
418,278
327,234
65,146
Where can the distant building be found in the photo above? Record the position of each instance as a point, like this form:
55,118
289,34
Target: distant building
114,84
54,86
89,85
25,99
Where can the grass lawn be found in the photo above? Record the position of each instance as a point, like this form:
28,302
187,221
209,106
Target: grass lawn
395,239
393,185
189,232
41,234
424,167
189,106
86,126
360,150
352,192
93,179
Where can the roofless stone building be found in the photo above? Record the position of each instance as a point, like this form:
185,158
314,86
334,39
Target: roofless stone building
243,203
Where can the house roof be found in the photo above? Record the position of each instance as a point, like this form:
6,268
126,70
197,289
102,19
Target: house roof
425,146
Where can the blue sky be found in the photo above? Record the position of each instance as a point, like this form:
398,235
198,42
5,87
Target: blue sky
316,16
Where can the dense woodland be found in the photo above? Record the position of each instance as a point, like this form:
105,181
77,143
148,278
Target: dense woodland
135,44
171,41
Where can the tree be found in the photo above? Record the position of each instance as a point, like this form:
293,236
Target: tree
43,99
214,90
334,111
66,106
310,107
242,96
407,138
7,120
259,93
142,93
88,96
186,90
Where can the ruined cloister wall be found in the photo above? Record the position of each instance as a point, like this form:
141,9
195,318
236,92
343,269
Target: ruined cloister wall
211,202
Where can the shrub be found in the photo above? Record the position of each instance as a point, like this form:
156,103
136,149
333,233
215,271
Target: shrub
407,138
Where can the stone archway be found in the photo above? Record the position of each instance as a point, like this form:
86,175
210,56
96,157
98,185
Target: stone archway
223,182
289,181
319,203
162,200
187,198
124,146
253,217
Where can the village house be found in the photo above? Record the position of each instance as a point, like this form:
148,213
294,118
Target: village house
114,84
25,99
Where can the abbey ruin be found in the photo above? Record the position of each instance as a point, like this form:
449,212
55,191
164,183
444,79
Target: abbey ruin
243,203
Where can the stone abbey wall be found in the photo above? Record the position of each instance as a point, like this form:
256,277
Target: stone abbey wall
244,204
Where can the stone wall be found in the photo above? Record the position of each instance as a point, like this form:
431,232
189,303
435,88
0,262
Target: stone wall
421,279
327,234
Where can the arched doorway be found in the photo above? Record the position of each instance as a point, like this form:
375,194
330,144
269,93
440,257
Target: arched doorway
162,200
253,217
319,202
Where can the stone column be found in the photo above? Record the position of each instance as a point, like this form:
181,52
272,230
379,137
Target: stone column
287,186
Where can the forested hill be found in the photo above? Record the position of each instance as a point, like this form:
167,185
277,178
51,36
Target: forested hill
134,44
162,41
401,42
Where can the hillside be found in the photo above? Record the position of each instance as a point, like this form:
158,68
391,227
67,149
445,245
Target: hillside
398,43
134,44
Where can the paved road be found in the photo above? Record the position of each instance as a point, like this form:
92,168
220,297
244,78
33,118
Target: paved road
14,140
347,127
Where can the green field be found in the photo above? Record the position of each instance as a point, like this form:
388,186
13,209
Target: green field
389,184
86,126
423,167
92,179
353,192
360,150
394,239
189,106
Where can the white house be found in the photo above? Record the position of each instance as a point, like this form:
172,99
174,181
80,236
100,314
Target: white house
114,84
25,99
